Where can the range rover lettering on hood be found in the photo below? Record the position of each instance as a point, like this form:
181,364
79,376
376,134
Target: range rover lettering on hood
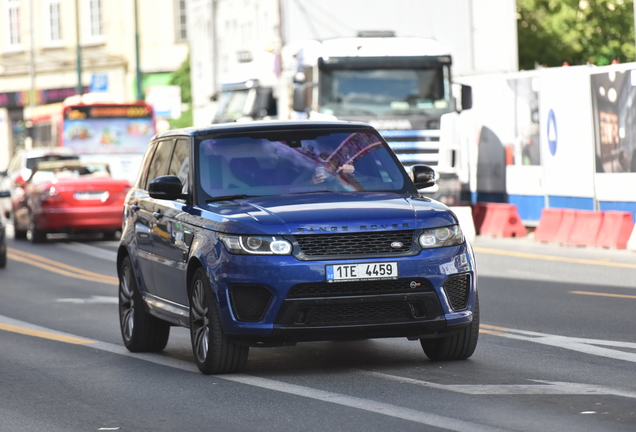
362,228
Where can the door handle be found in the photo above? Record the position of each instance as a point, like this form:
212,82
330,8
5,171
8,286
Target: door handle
158,215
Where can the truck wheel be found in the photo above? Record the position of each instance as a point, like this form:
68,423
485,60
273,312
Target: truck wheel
140,331
458,346
213,351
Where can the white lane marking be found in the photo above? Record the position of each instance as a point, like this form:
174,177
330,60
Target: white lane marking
91,300
389,410
587,346
543,388
93,251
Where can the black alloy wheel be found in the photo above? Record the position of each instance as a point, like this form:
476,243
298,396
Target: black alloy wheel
140,331
213,351
458,346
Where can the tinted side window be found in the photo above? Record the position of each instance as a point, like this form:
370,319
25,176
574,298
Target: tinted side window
180,165
145,164
160,161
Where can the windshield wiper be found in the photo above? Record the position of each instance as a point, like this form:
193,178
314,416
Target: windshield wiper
228,198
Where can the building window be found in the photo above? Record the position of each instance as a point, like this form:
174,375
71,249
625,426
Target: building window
181,20
13,16
54,32
95,17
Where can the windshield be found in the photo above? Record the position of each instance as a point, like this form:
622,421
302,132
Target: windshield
382,92
336,162
231,105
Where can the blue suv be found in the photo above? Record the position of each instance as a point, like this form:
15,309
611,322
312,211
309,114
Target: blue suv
272,233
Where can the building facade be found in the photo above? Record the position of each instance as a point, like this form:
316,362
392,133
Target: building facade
39,55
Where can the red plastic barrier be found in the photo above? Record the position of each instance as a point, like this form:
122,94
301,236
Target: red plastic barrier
586,227
549,224
565,228
479,215
502,220
615,231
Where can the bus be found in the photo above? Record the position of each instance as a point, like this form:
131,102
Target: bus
97,128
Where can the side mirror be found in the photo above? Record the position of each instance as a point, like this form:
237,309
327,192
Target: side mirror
166,187
467,97
300,99
5,194
423,176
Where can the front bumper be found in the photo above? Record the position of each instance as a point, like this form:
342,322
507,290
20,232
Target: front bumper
299,305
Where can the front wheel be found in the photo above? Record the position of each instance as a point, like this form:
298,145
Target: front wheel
213,351
140,331
458,346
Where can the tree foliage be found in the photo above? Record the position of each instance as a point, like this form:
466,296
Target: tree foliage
552,32
181,77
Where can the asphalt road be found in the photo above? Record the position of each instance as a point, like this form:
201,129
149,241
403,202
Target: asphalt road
557,352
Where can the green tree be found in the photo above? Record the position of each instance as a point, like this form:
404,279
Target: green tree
182,78
552,32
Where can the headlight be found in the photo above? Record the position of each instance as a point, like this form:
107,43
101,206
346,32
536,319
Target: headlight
263,245
444,236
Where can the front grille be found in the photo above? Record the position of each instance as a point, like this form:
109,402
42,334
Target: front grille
342,289
361,313
457,289
365,243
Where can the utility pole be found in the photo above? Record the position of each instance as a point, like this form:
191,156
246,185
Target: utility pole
137,63
32,97
78,62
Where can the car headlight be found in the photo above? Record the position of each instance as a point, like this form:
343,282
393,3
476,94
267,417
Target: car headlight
254,244
439,237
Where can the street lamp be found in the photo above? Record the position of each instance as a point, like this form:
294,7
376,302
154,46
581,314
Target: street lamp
78,62
137,66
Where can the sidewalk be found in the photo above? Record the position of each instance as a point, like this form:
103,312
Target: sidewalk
528,244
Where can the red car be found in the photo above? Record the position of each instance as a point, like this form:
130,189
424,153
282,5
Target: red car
69,196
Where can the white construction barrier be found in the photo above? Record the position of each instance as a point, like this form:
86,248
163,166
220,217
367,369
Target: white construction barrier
631,244
466,222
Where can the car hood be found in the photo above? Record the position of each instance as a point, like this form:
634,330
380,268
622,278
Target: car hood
328,212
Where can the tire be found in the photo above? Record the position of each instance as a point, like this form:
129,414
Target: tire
36,235
214,352
140,331
458,346
18,234
112,235
3,258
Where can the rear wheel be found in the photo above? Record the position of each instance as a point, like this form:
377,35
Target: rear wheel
35,235
18,234
3,258
213,351
140,331
458,346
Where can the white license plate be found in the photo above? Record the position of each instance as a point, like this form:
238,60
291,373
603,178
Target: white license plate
361,272
91,196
